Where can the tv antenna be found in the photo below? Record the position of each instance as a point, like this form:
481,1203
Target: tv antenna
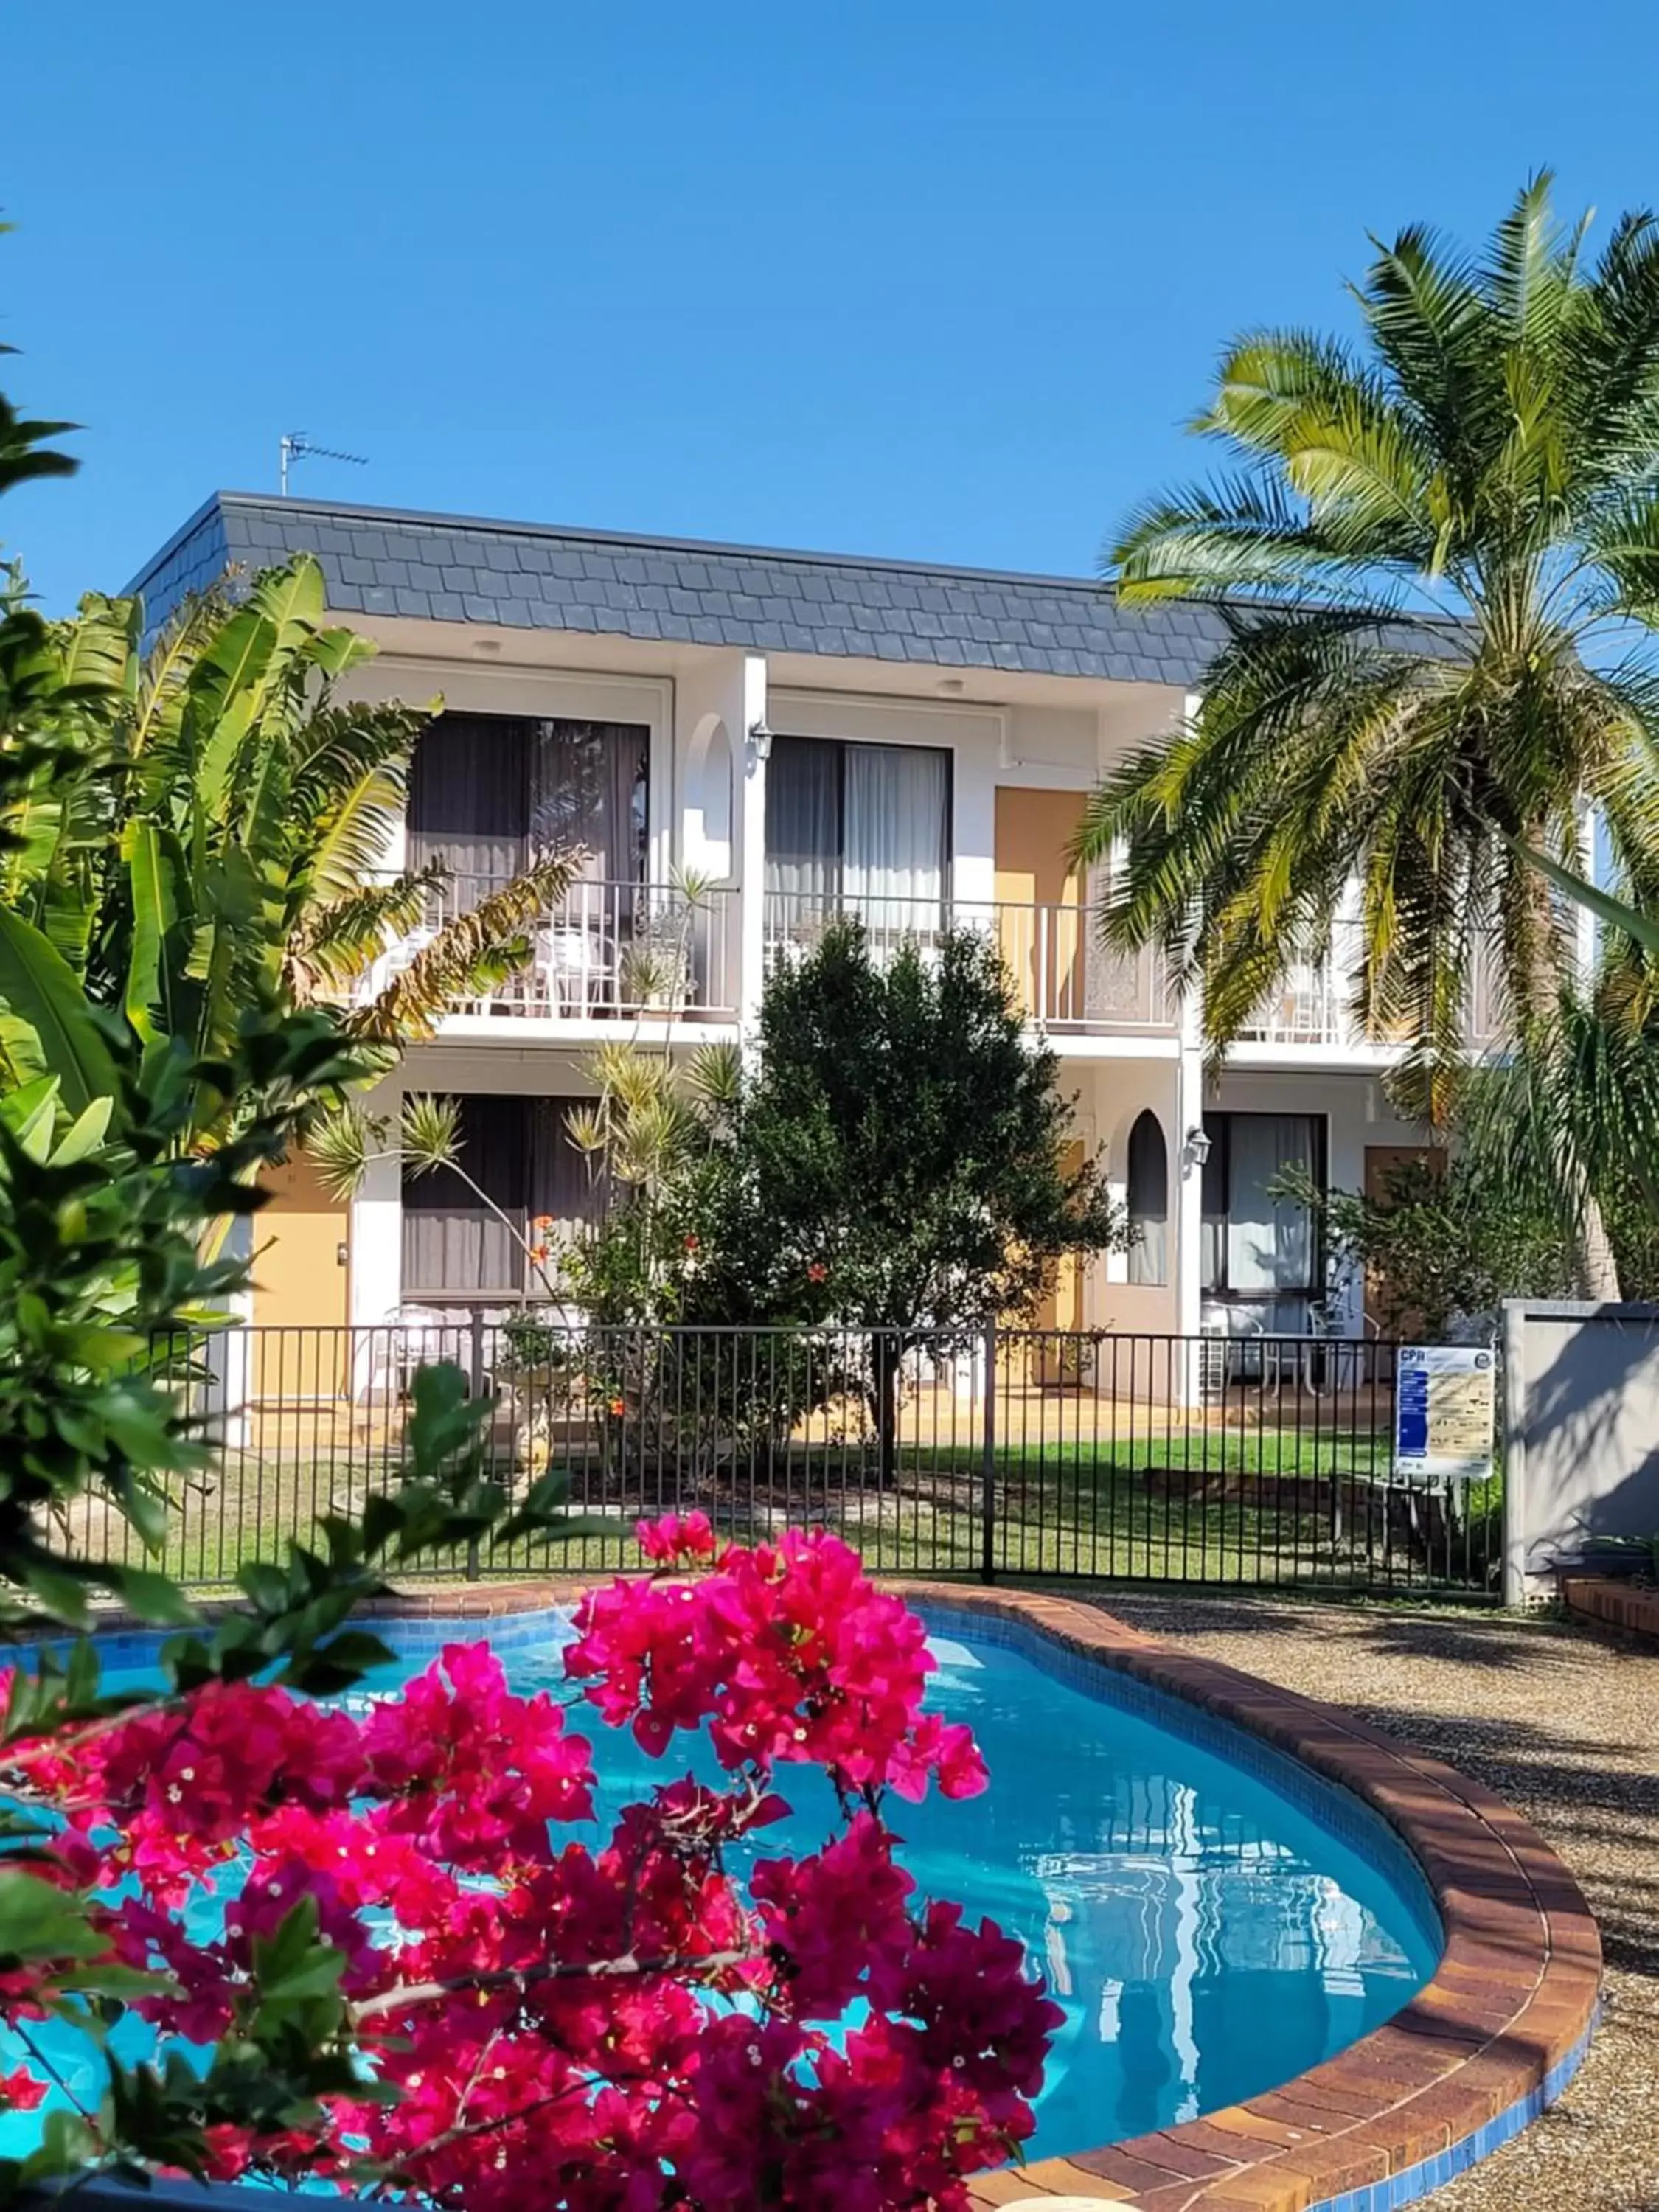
296,447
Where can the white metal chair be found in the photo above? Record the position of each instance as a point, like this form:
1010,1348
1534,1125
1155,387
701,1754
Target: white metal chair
576,966
409,1337
394,961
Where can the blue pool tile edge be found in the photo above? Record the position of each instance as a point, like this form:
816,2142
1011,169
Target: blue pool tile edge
1413,2183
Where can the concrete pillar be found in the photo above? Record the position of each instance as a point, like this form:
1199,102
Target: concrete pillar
377,1232
717,705
753,752
1188,1182
1187,1236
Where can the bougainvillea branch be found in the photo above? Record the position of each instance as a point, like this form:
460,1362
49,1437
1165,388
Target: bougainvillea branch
480,2006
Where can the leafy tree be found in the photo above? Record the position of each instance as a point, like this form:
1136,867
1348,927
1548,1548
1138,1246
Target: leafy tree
107,1191
895,1161
1441,1246
1439,560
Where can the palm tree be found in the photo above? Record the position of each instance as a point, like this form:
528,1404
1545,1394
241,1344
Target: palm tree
1438,564
205,834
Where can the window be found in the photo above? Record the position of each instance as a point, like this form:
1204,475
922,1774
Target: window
861,826
486,790
1149,1202
1260,1249
519,1152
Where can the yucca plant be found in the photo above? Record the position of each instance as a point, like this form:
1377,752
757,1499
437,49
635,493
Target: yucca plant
1438,564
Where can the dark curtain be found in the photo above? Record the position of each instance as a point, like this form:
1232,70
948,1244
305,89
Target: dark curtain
563,1181
1149,1201
519,1151
804,825
588,788
452,1242
469,802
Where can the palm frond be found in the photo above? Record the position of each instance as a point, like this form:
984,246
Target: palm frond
331,945
470,955
341,1147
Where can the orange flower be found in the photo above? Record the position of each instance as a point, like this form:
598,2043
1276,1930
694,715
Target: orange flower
618,1407
691,1243
543,1221
817,1272
539,1253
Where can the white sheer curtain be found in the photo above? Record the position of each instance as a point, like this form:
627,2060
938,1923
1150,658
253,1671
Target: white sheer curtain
895,833
1270,1244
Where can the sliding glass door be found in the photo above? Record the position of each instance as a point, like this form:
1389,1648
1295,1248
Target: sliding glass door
864,828
466,1243
1261,1262
487,792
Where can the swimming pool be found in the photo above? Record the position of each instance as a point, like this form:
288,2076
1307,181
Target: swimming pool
1211,1918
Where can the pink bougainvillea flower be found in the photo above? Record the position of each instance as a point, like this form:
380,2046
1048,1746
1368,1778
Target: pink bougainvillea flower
20,2090
675,1536
566,2018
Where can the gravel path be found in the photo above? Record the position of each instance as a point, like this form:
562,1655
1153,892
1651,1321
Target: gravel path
1565,1724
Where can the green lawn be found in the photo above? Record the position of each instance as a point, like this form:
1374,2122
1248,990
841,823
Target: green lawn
1271,1507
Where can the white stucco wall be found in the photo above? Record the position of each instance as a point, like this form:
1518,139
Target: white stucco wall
706,810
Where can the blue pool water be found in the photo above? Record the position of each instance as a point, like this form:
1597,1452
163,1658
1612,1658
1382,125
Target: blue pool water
1211,1918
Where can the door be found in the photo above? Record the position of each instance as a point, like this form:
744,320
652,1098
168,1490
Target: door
300,1285
1381,1315
1058,1363
1040,927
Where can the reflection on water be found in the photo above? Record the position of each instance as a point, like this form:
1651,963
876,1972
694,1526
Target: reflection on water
1205,1937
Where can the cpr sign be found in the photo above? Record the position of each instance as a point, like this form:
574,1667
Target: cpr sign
1444,1406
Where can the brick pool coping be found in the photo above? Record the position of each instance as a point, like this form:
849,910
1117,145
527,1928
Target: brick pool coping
1631,1608
1488,2041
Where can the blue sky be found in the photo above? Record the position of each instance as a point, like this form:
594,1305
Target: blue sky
937,278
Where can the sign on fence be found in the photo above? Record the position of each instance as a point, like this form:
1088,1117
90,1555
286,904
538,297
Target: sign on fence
1443,1413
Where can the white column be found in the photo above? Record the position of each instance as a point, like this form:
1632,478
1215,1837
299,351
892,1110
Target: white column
1188,1225
720,832
1188,1190
751,871
377,1232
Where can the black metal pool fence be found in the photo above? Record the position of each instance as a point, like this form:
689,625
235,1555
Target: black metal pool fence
1196,1460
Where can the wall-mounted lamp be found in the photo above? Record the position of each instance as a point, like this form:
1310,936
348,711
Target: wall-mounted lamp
1196,1145
760,739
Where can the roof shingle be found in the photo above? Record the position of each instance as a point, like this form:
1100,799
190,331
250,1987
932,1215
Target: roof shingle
453,569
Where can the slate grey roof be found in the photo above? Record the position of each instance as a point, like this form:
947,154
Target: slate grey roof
530,576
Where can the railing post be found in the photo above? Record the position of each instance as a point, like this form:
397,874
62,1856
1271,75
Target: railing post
474,1376
988,1478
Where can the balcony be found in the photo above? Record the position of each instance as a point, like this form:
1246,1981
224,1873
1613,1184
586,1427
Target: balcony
1065,980
1313,1005
605,952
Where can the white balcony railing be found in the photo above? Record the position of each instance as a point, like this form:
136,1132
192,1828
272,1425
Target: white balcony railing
622,950
605,951
1064,978
1314,1003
